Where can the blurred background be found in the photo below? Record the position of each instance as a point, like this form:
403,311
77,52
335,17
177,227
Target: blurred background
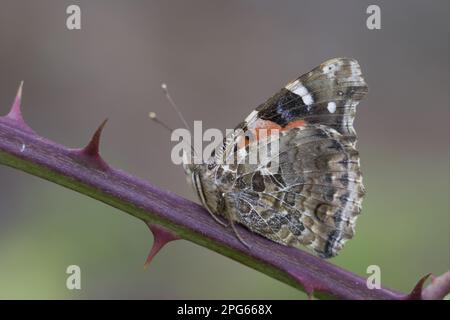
220,59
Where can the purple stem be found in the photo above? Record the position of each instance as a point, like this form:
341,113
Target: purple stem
85,171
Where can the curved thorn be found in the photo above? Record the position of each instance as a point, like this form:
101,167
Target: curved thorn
160,238
438,288
15,113
309,290
93,147
308,284
416,293
90,153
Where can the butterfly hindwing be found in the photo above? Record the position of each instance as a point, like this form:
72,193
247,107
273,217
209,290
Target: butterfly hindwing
312,199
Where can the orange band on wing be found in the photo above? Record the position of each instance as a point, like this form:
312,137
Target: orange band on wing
269,126
295,124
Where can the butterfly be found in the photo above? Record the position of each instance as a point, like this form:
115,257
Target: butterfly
315,194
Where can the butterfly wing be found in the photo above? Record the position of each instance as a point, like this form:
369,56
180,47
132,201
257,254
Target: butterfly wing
314,197
326,95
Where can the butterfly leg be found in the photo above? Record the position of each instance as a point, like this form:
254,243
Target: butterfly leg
224,224
235,230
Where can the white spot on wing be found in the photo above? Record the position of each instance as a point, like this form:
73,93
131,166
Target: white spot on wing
22,149
308,100
251,115
331,107
299,89
291,86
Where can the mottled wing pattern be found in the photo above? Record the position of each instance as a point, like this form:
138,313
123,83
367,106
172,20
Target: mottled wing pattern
312,200
326,95
315,196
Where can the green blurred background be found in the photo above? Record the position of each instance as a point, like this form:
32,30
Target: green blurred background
220,59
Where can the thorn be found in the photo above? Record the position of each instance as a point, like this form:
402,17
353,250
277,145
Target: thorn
416,293
15,113
308,285
91,152
93,147
160,238
439,287
309,290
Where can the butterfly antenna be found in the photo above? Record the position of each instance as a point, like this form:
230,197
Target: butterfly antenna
152,115
174,106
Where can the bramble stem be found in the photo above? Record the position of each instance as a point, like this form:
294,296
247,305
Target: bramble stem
84,171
